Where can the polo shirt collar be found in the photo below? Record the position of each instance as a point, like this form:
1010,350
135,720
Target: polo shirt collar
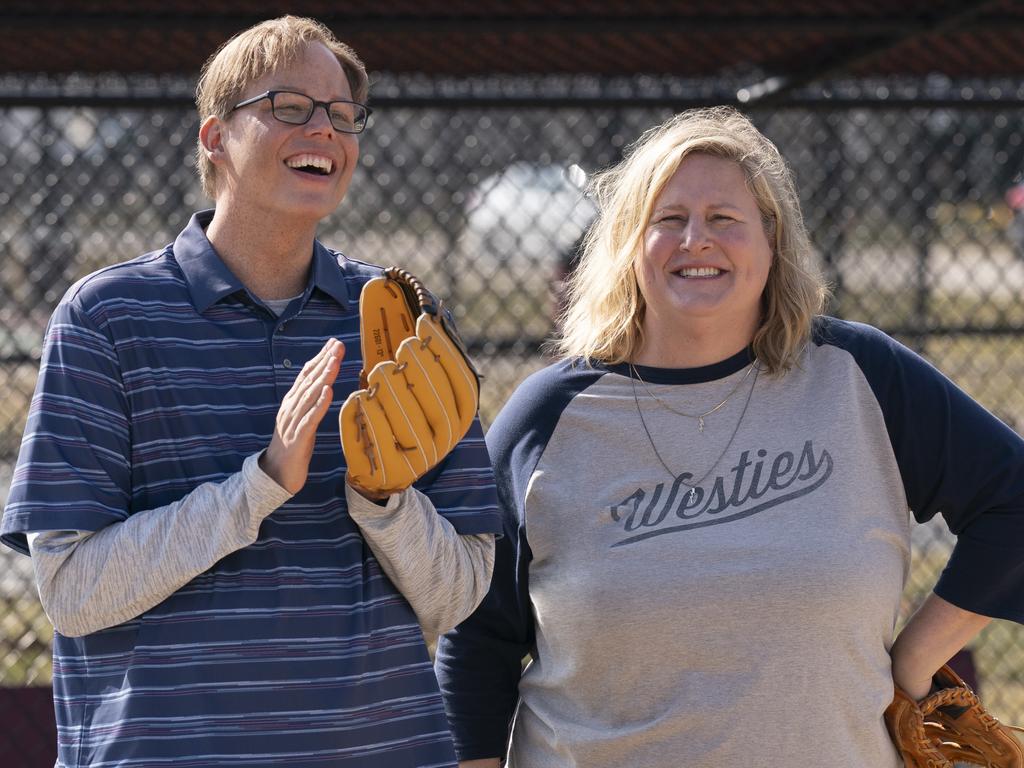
209,280
328,274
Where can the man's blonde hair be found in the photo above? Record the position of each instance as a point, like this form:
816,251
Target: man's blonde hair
253,53
603,319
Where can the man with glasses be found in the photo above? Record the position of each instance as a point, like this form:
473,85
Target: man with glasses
221,595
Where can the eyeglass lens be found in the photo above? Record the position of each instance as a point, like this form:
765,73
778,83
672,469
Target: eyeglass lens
297,108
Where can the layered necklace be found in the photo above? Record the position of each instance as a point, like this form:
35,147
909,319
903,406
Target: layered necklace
700,422
698,416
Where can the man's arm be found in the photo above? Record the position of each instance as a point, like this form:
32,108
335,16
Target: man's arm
442,574
92,581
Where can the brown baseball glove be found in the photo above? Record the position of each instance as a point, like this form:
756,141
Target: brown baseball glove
950,725
419,393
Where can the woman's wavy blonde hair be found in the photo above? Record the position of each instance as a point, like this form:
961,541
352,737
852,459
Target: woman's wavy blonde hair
604,312
250,55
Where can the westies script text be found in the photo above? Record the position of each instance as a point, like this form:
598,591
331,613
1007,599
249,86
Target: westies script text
750,487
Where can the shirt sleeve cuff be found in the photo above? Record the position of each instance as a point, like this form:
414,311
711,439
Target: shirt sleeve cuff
368,512
264,495
984,578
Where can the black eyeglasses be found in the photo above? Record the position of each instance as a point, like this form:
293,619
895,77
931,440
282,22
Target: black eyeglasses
297,109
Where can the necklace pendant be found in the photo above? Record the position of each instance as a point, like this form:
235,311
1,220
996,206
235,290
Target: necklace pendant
700,424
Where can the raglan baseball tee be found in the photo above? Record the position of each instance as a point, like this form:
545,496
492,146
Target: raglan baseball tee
720,629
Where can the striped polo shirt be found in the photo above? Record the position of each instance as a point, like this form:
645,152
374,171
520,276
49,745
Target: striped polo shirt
164,373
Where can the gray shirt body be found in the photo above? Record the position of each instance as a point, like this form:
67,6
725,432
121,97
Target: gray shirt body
670,632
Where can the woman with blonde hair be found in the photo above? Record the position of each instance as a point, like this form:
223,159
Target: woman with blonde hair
708,500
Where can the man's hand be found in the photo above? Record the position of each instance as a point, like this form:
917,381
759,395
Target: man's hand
286,461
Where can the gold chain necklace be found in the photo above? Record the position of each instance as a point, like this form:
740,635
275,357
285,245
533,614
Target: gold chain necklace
673,475
698,416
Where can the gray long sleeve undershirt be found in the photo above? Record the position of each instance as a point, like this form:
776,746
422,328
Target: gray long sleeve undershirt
443,575
92,580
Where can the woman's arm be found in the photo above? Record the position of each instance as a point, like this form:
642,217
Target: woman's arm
931,638
479,663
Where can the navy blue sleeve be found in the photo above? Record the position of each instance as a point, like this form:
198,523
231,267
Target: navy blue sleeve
479,663
956,459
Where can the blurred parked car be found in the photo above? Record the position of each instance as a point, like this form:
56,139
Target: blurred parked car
520,225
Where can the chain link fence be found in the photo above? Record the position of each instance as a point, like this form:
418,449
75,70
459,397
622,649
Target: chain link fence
910,192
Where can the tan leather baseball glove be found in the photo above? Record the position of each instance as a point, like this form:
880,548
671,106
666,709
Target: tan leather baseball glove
949,726
420,391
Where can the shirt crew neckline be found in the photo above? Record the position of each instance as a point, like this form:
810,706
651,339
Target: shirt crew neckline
698,375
